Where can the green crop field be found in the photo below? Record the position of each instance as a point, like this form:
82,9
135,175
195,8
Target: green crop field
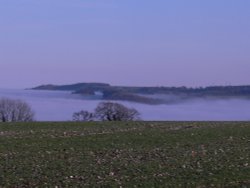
136,154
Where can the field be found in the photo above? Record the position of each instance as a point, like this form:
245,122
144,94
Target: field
136,154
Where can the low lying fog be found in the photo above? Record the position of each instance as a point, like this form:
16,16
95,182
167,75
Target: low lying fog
60,105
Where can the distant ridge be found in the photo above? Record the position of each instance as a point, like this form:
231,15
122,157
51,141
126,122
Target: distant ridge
148,95
70,87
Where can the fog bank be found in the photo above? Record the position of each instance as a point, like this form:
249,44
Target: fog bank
60,105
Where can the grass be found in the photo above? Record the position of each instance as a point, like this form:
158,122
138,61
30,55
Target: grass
137,154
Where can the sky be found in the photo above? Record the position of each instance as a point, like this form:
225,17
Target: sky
124,42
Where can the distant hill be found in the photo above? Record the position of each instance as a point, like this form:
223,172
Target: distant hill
151,95
71,87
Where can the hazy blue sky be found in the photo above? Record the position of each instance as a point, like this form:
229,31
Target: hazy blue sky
124,42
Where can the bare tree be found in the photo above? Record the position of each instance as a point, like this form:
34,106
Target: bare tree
83,116
15,111
109,111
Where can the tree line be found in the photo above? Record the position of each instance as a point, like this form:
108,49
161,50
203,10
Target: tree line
108,111
20,111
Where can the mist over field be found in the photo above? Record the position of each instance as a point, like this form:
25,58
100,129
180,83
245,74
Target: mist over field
60,105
